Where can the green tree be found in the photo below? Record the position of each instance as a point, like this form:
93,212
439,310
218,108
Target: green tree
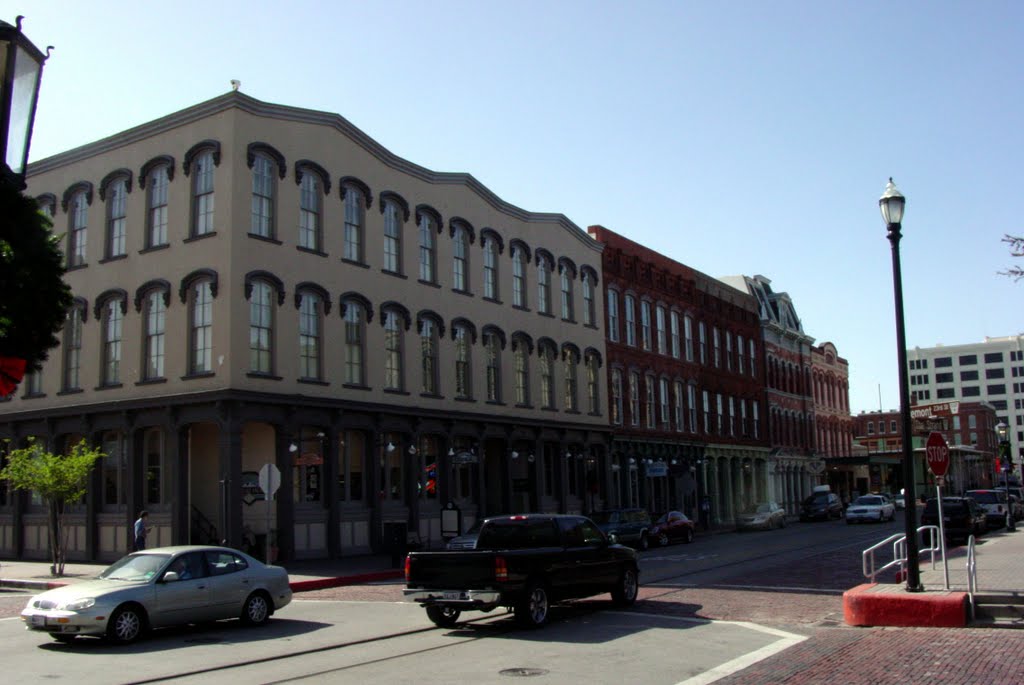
33,295
60,479
1016,244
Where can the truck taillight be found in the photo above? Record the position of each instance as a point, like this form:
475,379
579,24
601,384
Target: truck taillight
500,569
407,568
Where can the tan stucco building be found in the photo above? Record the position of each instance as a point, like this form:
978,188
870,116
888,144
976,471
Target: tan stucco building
259,284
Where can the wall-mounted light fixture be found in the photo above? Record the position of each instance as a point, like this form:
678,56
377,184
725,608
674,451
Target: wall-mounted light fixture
293,448
390,447
632,460
515,455
451,451
412,449
530,458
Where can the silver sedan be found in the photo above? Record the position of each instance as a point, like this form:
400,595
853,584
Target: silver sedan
161,587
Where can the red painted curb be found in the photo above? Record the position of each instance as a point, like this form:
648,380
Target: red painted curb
323,583
864,606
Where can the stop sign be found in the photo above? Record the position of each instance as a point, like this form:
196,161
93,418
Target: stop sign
938,454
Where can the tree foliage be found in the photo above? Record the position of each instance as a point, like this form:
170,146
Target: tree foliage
59,479
33,295
1016,244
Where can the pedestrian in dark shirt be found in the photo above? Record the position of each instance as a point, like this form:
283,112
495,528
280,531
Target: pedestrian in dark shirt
141,530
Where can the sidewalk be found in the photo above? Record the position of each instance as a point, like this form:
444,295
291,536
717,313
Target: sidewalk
304,575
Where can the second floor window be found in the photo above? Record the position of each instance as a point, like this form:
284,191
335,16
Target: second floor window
571,380
674,321
691,407
460,259
392,351
716,347
261,328
613,316
544,268
702,342
616,397
522,372
354,204
309,336
262,197
593,389
428,356
117,202
113,323
428,255
707,412
201,329
630,320
463,364
741,359
663,401
547,377
753,360
73,348
649,400
634,398
678,414
156,314
659,322
354,344
567,308
645,325
492,349
589,309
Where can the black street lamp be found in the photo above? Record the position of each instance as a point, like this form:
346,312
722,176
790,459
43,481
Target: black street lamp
20,73
1006,466
892,203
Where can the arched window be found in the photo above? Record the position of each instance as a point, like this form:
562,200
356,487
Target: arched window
394,218
593,363
702,342
261,328
521,348
490,247
73,345
546,352
649,400
154,318
464,337
394,376
356,197
613,315
264,160
674,332
114,191
157,174
645,324
111,316
429,355
47,204
460,258
660,329
589,308
78,227
200,308
567,274
634,398
493,343
545,265
663,404
355,315
310,212
616,404
311,312
679,402
519,260
630,315
429,222
199,163
570,369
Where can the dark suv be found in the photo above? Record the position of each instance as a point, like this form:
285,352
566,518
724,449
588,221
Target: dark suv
821,506
962,517
630,526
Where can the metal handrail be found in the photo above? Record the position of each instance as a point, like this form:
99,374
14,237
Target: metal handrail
972,574
899,552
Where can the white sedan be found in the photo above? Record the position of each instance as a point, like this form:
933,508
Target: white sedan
870,508
161,587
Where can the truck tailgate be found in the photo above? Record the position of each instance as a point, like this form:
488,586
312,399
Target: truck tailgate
454,570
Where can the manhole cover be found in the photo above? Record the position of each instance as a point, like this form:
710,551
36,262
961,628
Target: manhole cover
523,672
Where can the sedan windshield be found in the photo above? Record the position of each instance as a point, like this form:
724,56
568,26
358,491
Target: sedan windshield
985,496
869,501
135,567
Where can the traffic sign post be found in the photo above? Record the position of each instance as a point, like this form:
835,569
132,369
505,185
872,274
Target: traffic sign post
937,452
270,481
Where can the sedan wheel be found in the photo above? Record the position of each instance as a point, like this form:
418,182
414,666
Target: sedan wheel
126,625
532,612
689,535
663,540
256,610
644,542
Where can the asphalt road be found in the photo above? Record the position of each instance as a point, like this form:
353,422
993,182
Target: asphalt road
737,609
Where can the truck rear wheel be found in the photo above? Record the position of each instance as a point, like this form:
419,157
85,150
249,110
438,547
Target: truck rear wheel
443,617
532,611
626,588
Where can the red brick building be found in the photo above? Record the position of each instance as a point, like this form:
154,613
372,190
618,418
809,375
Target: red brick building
686,384
830,383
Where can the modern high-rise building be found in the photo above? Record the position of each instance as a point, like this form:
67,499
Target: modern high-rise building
991,371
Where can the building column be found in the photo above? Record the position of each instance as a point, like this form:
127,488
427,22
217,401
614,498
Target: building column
176,439
329,474
230,475
285,520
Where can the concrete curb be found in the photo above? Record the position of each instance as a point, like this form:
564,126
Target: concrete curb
37,585
874,605
324,583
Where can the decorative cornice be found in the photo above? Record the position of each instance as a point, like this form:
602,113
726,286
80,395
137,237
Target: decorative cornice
325,178
425,314
541,254
545,343
392,307
571,347
194,276
460,322
390,196
261,275
47,198
258,148
148,167
527,252
82,304
595,279
126,174
353,182
592,352
459,222
155,284
564,263
80,186
236,100
493,235
198,148
432,213
356,297
106,296
318,290
491,329
522,337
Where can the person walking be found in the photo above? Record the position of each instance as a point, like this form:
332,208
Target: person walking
705,511
141,530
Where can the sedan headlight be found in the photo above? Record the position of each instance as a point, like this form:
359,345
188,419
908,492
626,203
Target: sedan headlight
78,604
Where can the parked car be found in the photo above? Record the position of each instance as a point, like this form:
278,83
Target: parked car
765,516
961,516
994,503
870,508
1016,505
527,562
674,526
468,539
161,587
630,526
900,501
821,506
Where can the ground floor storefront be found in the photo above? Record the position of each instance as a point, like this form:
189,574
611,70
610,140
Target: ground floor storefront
353,479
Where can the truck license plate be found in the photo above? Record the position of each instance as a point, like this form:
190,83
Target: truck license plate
453,595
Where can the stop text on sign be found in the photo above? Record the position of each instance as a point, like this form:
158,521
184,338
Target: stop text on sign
937,453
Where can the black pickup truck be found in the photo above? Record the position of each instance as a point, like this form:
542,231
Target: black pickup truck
524,562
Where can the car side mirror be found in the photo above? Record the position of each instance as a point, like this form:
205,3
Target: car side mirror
171,577
612,539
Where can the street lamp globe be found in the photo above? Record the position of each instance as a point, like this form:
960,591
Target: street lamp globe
21,69
892,203
1002,430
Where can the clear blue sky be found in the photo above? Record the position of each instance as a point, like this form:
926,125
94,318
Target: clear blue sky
736,137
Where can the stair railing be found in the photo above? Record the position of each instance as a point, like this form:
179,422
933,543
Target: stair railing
972,574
